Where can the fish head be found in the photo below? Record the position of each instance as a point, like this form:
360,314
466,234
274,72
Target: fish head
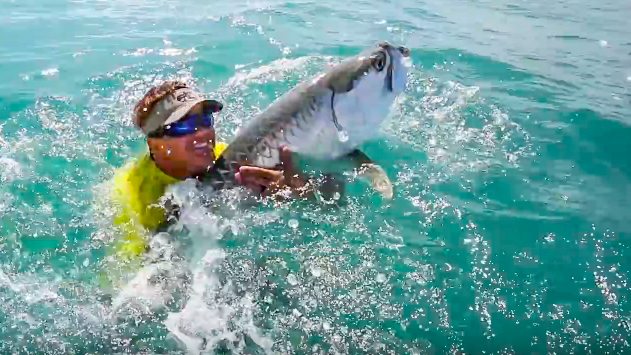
384,67
390,64
364,88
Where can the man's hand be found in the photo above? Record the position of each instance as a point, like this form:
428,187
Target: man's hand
270,181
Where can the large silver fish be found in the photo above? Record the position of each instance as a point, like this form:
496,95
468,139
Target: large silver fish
326,117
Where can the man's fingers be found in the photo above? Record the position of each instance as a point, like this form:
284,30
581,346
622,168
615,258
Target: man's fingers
289,171
285,158
248,172
272,179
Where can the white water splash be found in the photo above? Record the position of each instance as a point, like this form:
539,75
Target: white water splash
172,52
275,70
9,170
50,72
439,123
203,324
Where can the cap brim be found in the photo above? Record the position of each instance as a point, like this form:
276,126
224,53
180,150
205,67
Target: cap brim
214,105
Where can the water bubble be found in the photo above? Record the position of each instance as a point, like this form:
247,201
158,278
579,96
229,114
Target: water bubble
86,262
336,196
316,271
293,223
381,278
342,135
291,278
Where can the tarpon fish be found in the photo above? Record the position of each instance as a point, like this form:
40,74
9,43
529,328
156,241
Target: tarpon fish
326,117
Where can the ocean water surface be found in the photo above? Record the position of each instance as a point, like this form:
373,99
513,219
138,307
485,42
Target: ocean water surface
509,152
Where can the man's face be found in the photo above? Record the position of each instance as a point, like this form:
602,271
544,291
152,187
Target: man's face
191,154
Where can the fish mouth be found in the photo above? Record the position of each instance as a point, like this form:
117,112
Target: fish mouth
389,76
405,51
400,53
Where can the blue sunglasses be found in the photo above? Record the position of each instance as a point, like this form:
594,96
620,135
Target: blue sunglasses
187,125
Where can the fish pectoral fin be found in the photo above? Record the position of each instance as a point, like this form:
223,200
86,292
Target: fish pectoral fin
366,168
378,179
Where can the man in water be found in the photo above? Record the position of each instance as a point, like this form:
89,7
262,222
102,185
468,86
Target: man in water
179,126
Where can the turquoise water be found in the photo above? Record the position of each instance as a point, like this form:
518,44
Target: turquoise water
509,152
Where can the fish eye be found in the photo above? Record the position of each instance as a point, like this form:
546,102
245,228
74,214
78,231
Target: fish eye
379,61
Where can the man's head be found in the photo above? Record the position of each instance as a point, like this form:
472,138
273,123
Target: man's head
178,123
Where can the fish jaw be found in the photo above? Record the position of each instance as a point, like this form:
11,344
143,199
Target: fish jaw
402,66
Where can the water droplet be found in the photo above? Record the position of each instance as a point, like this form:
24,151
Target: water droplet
342,135
293,223
316,271
381,278
336,196
291,278
86,262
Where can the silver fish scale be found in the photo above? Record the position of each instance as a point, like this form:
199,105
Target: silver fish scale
289,133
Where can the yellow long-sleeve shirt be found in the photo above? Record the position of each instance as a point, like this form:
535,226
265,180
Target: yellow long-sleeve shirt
137,189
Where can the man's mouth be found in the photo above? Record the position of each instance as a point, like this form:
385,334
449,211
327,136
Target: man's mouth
201,147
